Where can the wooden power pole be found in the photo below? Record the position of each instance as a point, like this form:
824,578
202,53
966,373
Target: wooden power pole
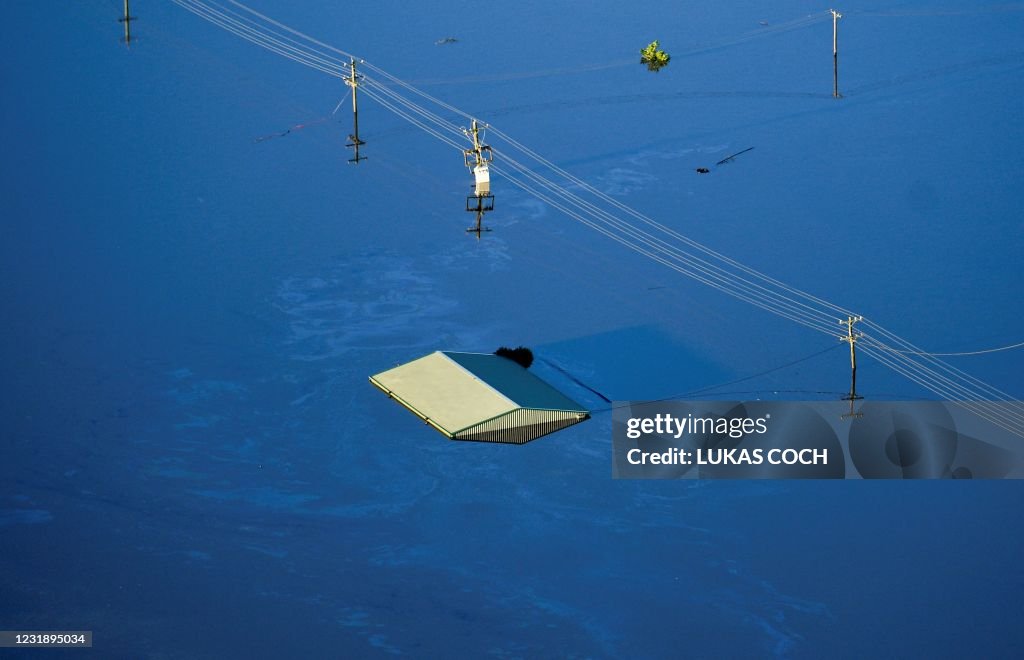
851,338
478,159
127,20
835,53
354,141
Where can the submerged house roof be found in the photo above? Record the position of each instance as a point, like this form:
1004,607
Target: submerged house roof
479,396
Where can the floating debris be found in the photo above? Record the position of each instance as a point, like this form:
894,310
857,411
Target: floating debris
702,170
445,41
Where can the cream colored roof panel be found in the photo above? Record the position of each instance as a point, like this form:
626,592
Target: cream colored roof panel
443,393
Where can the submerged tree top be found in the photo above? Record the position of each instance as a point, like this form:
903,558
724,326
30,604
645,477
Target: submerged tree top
653,57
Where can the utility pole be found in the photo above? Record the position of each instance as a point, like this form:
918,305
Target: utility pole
353,82
477,159
835,53
851,338
127,20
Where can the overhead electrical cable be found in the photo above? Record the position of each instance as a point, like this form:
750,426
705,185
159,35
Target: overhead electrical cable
612,218
999,349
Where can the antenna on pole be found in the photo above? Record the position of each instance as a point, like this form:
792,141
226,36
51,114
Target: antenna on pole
354,141
127,20
477,160
851,338
835,53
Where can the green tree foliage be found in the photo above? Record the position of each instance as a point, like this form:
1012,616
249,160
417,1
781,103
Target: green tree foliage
653,57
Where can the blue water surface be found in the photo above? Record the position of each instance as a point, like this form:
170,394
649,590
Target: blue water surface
196,286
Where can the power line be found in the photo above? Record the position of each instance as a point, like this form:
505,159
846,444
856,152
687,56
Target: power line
981,352
601,212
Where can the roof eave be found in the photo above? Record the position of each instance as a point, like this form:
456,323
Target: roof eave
450,435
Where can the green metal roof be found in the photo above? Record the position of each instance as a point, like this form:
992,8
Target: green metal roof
514,382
